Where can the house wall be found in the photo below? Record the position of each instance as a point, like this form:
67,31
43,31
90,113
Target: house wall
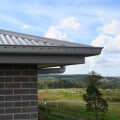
18,92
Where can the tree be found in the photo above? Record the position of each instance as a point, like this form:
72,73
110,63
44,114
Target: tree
93,97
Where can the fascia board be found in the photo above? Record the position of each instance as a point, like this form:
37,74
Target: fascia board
49,60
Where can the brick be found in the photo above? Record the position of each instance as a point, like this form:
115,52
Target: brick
29,97
29,85
21,91
34,103
12,85
1,98
29,73
6,66
21,116
1,73
5,79
6,104
29,109
12,98
21,104
1,85
12,110
34,66
22,66
12,73
18,92
6,91
34,115
2,111
33,79
21,79
6,117
33,91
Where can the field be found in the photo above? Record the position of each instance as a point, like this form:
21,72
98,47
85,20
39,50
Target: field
67,104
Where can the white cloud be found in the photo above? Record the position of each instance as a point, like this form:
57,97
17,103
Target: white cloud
112,28
108,63
54,32
70,22
109,37
114,45
102,64
101,40
25,26
110,44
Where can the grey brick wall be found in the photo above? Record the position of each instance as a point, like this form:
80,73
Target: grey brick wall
18,92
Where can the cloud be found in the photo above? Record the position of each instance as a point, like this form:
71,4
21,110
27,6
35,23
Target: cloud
109,37
70,22
101,64
110,44
25,26
54,32
101,40
112,28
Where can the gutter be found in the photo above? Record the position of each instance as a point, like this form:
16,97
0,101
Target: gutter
49,50
61,69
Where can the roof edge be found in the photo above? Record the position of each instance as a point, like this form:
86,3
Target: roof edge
40,50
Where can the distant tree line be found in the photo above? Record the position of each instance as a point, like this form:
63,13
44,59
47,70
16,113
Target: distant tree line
75,81
59,84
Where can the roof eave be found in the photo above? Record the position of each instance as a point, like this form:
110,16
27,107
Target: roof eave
47,50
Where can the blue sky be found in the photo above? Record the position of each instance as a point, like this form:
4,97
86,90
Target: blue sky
94,22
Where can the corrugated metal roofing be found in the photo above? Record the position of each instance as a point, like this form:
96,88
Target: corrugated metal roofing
23,48
14,38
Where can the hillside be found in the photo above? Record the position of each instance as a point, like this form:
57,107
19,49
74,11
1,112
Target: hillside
74,81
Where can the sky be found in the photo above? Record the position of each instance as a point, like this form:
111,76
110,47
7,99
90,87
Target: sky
92,22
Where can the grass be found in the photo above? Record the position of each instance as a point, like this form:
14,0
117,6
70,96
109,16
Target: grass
111,95
113,112
63,110
60,94
66,104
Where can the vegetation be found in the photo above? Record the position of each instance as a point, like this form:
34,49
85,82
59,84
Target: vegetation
93,97
61,97
61,104
61,81
75,81
76,94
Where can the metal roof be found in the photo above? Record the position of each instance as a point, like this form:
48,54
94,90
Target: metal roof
23,48
14,38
